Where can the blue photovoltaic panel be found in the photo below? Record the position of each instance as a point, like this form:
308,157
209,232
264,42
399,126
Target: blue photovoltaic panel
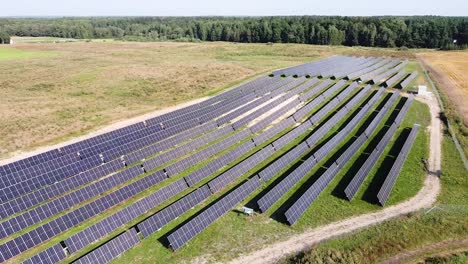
111,249
236,171
267,200
218,163
112,222
51,255
77,216
408,79
299,207
391,178
41,195
190,229
171,212
47,210
273,168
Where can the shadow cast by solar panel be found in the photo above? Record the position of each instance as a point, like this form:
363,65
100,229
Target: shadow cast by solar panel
96,248
398,85
163,239
370,195
253,202
338,191
278,215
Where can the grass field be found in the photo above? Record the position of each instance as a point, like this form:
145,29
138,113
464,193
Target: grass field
10,54
447,221
88,85
84,86
453,68
448,72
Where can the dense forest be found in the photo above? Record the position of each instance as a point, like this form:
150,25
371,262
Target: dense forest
411,32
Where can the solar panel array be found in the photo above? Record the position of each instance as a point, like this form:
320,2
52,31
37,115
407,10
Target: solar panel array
391,178
409,79
112,222
47,194
358,179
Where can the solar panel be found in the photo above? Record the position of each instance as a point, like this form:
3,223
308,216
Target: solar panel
236,171
47,210
392,81
111,249
171,212
267,200
197,224
273,168
41,195
408,79
70,219
367,166
291,135
312,92
218,163
391,177
299,207
122,217
49,256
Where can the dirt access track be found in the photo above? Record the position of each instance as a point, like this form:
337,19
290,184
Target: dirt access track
425,198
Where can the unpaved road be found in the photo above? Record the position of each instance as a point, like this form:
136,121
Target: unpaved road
423,199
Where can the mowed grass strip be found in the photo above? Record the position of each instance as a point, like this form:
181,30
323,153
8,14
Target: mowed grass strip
14,54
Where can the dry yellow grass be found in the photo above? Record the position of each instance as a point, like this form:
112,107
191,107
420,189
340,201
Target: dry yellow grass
78,87
452,73
73,88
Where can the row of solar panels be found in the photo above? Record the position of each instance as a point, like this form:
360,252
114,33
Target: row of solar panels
94,231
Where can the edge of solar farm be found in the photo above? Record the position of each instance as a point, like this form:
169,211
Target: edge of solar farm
325,73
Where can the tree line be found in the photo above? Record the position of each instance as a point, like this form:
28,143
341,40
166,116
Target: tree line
411,32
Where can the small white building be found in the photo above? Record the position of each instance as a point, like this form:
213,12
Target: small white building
422,91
